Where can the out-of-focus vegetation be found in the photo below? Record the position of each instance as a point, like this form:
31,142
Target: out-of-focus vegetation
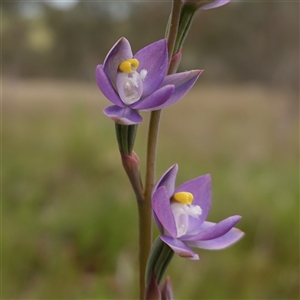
69,222
242,41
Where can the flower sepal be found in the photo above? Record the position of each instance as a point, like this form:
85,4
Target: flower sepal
205,4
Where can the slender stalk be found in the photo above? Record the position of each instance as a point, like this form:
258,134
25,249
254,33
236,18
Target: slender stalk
145,241
151,153
145,207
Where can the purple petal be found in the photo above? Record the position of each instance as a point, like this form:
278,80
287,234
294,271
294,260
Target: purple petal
168,180
183,83
118,53
162,209
106,87
156,99
123,115
221,242
179,247
210,230
215,4
154,59
201,189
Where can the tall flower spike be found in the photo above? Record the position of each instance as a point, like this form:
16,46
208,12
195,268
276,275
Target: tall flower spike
139,82
180,215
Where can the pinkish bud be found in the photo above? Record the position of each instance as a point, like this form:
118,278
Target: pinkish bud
131,165
175,61
152,290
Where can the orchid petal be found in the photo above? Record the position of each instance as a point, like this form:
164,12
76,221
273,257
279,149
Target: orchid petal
162,210
215,4
106,87
201,189
210,230
156,99
221,242
154,59
168,180
183,83
123,115
118,53
179,247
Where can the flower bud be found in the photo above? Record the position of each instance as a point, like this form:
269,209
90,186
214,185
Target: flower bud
152,290
131,164
175,61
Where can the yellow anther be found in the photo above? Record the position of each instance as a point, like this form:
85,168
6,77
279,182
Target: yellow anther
183,197
129,65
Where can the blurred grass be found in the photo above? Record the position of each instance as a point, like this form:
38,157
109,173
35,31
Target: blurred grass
68,214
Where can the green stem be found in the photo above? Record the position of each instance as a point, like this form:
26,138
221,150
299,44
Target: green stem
145,207
145,240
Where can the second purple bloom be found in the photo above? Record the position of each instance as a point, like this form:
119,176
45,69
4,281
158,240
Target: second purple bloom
181,213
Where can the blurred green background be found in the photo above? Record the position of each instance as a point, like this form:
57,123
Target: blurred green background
69,220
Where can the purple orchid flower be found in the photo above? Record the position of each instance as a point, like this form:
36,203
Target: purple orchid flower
206,4
180,216
139,82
